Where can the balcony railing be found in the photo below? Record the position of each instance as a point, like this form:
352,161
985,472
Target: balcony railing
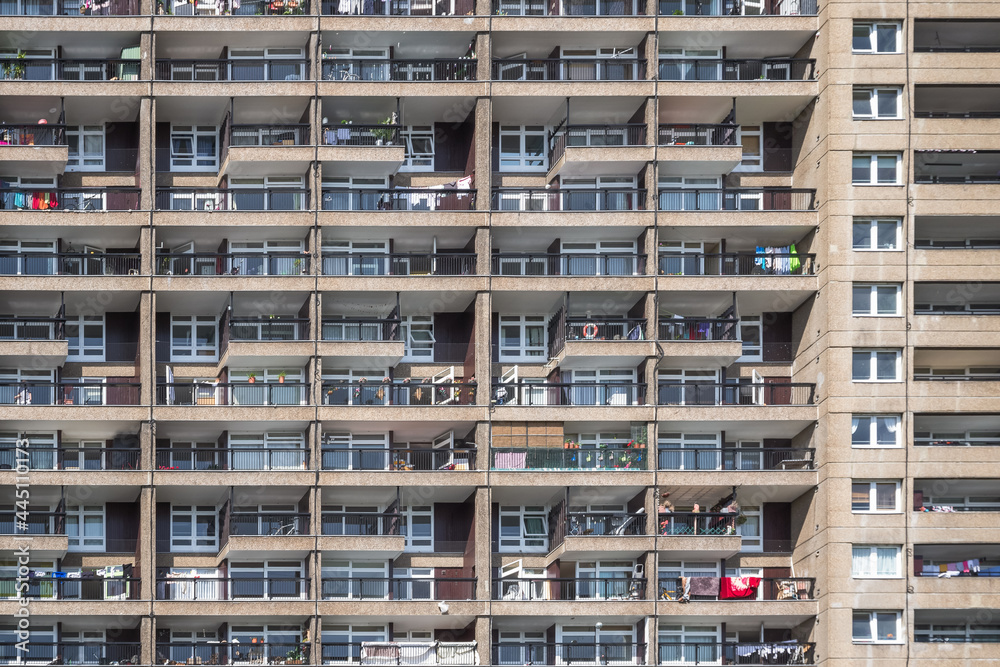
72,458
31,328
710,524
258,525
58,69
399,264
217,458
741,199
736,8
699,135
356,134
977,441
398,199
245,8
550,458
574,136
712,69
428,460
569,69
770,589
399,8
234,199
736,653
233,264
568,264
716,458
614,588
30,135
369,69
275,69
52,588
400,653
957,179
398,393
69,393
269,135
68,8
232,393
569,8
608,392
386,588
360,329
575,653
246,653
70,264
360,524
698,328
605,524
612,328
275,329
35,523
714,393
76,653
575,199
232,588
960,375
737,264
44,198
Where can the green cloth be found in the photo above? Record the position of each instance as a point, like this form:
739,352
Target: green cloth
794,264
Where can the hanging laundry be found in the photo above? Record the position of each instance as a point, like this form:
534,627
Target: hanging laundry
739,587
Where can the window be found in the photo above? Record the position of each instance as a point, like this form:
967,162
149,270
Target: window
750,140
357,451
523,528
85,527
690,451
960,632
419,142
522,148
194,337
963,503
876,562
877,103
876,168
273,450
193,528
523,337
679,64
342,643
750,531
194,148
752,335
85,334
874,497
875,300
267,64
417,526
876,627
690,644
874,37
877,235
417,332
876,365
86,148
267,580
875,430
343,579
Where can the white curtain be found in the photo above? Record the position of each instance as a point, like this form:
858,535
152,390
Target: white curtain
855,422
886,559
860,561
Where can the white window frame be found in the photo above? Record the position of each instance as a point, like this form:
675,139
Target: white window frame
751,161
527,541
873,291
350,570
873,46
412,160
417,332
667,54
751,353
874,94
82,161
521,161
193,512
873,497
268,55
80,351
874,236
348,633
873,169
349,378
972,632
873,364
752,543
407,514
194,352
691,448
194,161
266,570
872,636
869,425
523,351
81,541
868,556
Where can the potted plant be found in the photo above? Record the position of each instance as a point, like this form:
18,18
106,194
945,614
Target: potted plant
281,377
251,377
294,657
384,135
14,69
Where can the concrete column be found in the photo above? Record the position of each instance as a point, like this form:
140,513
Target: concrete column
147,636
483,139
484,357
484,543
147,349
147,120
147,536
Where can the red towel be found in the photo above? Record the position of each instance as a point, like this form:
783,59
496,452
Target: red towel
739,587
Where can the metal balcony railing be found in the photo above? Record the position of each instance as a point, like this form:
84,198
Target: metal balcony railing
72,458
770,589
398,393
957,179
736,199
607,392
575,653
260,525
13,522
400,653
737,8
217,458
276,328
75,653
244,653
360,523
683,654
568,264
233,264
360,329
232,393
699,135
569,69
737,264
605,524
70,264
717,458
232,588
718,69
611,588
399,8
369,69
62,588
234,199
69,8
569,8
387,588
291,134
30,135
714,393
59,69
234,69
69,199
575,199
233,8
357,134
398,199
69,393
611,328
699,328
31,328
399,264
550,458
575,136
710,524
428,460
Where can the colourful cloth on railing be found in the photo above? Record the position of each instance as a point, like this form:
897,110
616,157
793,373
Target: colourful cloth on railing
705,586
510,460
739,587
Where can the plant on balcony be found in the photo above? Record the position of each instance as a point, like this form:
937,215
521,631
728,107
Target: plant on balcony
15,69
384,135
251,377
281,377
294,657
